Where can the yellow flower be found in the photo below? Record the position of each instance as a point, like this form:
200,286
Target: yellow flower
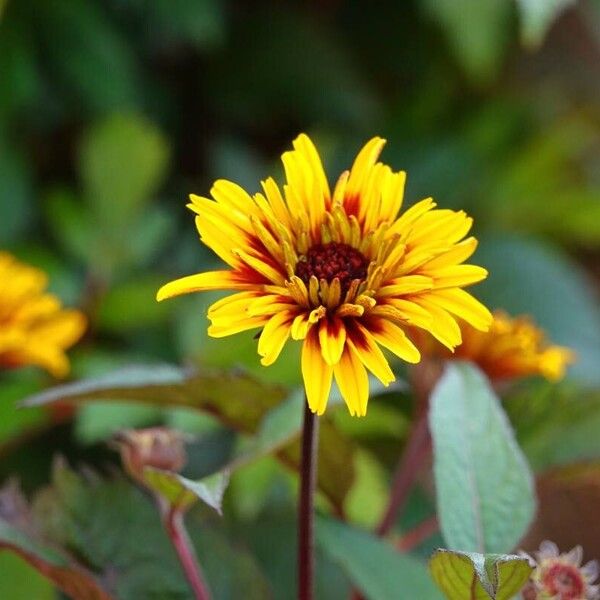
339,270
34,328
513,347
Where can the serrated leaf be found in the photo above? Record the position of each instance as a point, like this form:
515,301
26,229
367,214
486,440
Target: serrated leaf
18,534
484,487
462,575
115,530
537,17
373,565
183,493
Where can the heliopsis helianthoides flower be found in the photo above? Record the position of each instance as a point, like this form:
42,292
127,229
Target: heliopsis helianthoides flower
341,270
560,576
512,348
34,328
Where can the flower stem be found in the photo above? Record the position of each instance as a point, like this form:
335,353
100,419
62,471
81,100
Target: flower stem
175,528
416,450
420,533
308,479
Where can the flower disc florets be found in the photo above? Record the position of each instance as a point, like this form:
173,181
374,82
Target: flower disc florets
333,261
341,270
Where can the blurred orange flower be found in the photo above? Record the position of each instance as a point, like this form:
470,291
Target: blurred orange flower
343,270
513,347
35,329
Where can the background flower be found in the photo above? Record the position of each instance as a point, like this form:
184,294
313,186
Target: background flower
513,347
34,328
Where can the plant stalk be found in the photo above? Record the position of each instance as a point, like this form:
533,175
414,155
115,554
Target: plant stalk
308,479
175,528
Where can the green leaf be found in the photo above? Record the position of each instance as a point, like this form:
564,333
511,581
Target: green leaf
477,31
99,421
16,194
369,494
20,581
556,425
131,306
183,493
123,161
200,22
237,400
16,534
88,56
528,277
373,565
71,225
463,575
537,17
483,484
114,529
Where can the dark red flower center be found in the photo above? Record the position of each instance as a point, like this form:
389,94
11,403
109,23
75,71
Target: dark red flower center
564,581
328,261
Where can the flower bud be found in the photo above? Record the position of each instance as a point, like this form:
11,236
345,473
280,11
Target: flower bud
157,447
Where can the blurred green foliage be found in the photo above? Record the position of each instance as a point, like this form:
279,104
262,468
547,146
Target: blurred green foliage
112,111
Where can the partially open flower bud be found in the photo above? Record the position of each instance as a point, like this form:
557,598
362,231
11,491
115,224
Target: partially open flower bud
561,576
156,447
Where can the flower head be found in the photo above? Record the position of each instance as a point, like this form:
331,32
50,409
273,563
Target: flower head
343,270
513,347
561,576
34,328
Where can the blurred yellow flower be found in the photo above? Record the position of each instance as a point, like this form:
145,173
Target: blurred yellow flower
513,347
35,329
340,271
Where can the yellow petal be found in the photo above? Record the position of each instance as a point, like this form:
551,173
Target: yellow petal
404,223
234,303
392,337
63,329
442,326
303,144
316,373
332,337
463,305
458,254
365,346
262,266
351,378
235,325
401,286
233,197
457,276
210,280
363,163
274,336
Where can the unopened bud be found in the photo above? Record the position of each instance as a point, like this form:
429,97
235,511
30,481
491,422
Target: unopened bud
157,447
